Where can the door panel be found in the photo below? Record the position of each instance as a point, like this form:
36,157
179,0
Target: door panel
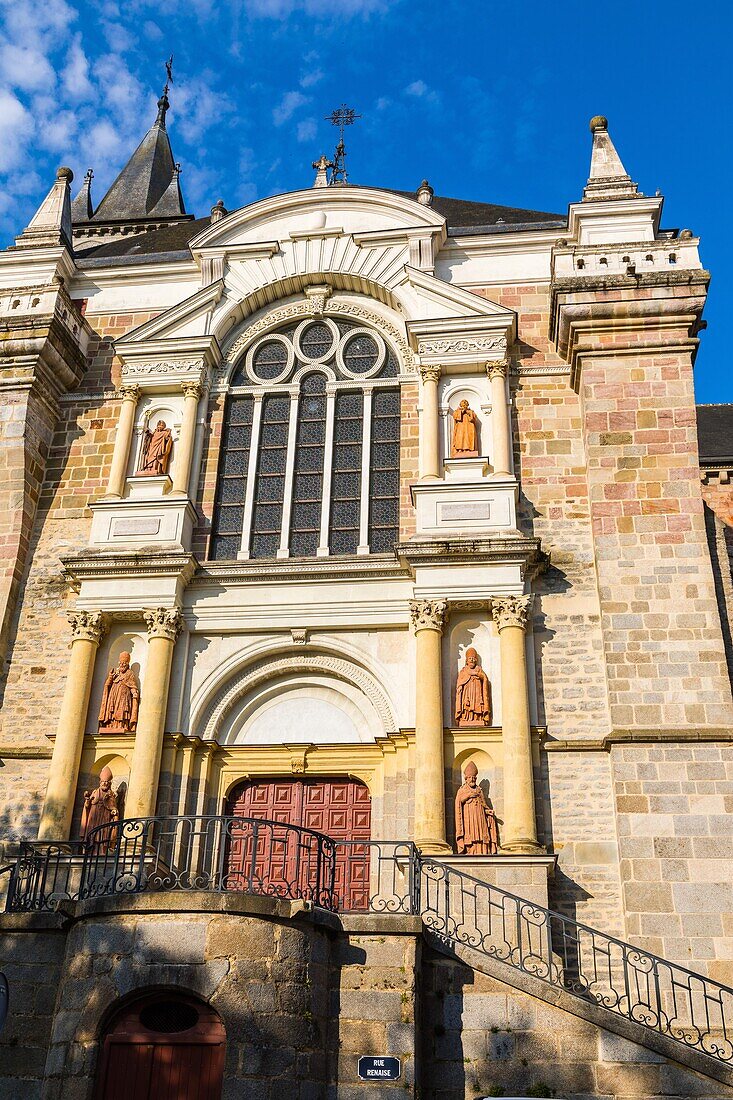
341,808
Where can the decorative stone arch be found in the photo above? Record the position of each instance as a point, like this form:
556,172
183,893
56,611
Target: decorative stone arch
279,665
314,307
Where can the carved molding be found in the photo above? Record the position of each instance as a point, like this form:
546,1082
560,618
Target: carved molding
317,297
90,626
512,611
304,309
452,346
430,373
308,662
163,622
428,614
179,366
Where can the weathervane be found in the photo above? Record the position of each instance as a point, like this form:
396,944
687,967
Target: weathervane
344,116
168,74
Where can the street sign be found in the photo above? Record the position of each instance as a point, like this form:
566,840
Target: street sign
379,1069
4,999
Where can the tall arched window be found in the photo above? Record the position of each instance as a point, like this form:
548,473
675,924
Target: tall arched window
311,446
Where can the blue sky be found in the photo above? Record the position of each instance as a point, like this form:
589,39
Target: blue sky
488,101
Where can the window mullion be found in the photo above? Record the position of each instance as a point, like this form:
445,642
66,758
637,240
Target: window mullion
284,550
322,550
366,450
249,495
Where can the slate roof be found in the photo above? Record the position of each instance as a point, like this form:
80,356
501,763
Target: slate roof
715,433
463,217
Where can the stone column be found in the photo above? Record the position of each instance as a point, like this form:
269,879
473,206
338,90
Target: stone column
427,620
123,441
164,626
182,473
512,615
87,630
500,425
430,429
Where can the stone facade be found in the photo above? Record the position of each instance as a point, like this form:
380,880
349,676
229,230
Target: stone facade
579,554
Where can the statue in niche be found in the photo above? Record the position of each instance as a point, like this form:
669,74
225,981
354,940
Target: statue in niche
473,693
120,699
156,451
464,443
477,831
100,808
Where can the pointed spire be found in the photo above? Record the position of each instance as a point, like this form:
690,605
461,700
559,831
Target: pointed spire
147,187
81,207
608,178
51,223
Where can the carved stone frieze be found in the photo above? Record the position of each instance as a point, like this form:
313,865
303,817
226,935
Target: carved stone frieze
428,614
472,345
512,611
163,622
180,366
88,625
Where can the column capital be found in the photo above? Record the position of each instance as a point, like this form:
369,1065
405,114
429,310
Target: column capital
163,622
192,389
129,391
428,614
497,368
512,611
90,626
430,372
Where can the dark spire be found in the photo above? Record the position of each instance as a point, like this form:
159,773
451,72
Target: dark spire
147,187
82,209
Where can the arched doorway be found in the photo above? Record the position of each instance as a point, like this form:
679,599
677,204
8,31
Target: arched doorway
163,1046
341,808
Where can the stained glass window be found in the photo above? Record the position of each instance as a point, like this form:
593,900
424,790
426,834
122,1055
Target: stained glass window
270,484
316,340
305,517
346,473
384,495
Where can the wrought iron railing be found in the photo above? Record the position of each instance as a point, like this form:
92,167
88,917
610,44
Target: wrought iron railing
178,853
288,861
626,980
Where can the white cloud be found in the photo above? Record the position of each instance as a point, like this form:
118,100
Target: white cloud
75,73
118,38
307,129
287,107
420,90
197,106
16,129
313,76
58,132
152,31
25,67
281,9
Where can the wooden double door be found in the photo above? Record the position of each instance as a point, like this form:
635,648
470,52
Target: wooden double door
340,808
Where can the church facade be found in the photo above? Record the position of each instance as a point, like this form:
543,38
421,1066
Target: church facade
365,619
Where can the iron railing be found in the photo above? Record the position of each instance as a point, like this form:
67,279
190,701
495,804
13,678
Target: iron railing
271,858
626,980
178,853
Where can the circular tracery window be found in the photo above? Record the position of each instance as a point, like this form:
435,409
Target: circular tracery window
316,341
270,359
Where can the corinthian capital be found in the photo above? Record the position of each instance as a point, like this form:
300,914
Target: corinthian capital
428,614
512,611
163,622
91,626
497,369
192,389
430,372
129,391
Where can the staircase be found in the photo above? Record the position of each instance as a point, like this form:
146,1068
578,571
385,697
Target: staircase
625,989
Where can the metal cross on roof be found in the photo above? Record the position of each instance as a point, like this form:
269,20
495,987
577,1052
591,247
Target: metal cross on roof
342,117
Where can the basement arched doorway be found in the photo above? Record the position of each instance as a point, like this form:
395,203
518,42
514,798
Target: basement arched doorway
162,1046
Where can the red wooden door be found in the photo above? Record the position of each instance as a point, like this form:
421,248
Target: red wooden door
340,808
163,1048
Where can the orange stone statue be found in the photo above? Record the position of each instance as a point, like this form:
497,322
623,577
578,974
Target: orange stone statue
120,699
477,832
100,808
473,693
465,432
156,450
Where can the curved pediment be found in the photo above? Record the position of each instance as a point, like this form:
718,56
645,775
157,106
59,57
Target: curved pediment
350,210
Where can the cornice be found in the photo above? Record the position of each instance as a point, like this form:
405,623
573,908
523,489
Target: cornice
642,736
95,566
487,549
374,567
